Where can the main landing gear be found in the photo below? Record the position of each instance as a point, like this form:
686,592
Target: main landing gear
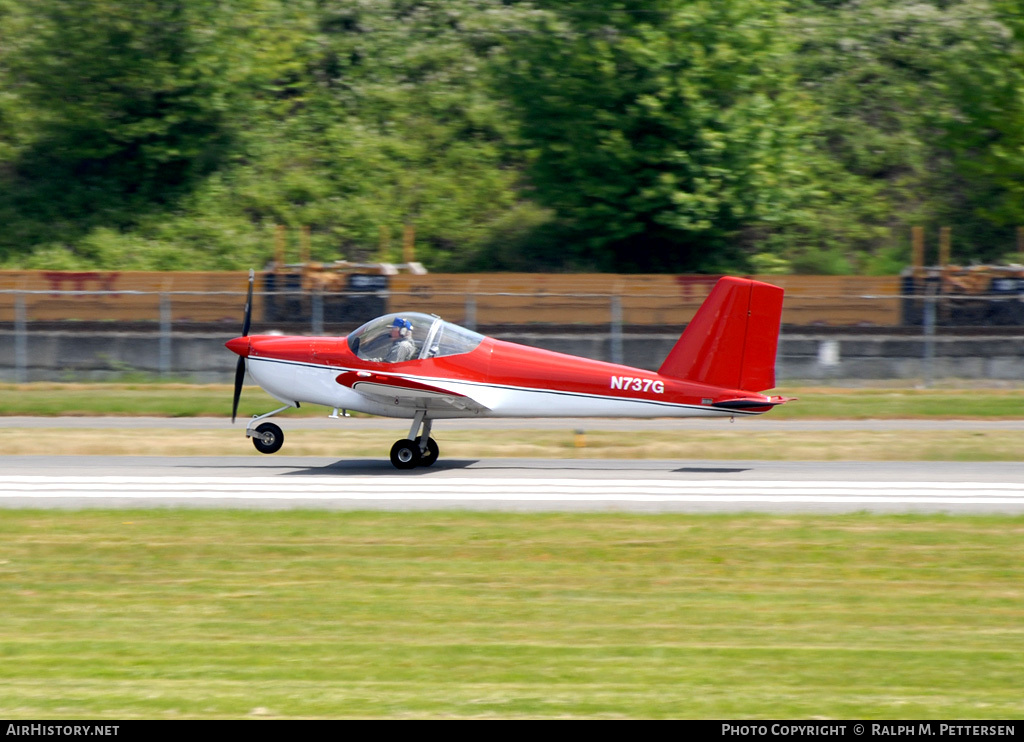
419,449
416,450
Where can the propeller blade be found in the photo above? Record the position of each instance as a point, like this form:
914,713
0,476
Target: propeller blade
239,379
240,366
248,306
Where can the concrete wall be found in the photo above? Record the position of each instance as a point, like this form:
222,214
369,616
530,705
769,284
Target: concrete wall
76,356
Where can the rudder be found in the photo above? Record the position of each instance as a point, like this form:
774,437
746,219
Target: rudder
733,339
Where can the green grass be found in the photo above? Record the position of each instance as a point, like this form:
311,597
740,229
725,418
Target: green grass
230,614
896,403
140,399
214,400
742,441
717,441
187,614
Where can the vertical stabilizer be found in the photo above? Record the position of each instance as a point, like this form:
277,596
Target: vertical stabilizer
732,340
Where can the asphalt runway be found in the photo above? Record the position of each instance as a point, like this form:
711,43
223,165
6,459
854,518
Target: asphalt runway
643,486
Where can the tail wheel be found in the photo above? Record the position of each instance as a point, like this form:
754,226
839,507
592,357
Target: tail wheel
268,439
405,454
432,453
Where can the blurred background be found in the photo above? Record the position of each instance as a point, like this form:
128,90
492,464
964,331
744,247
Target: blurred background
543,166
646,136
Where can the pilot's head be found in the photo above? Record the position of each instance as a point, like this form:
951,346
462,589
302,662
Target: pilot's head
401,328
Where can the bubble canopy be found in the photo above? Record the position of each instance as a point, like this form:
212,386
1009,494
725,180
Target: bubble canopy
432,336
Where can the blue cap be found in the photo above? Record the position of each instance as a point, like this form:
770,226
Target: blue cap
399,322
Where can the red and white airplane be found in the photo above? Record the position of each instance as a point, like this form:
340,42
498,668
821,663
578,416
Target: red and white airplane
414,365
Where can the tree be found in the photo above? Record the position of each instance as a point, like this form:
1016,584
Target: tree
920,110
983,129
657,130
126,111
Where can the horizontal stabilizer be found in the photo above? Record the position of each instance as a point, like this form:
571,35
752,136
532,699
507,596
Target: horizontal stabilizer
751,403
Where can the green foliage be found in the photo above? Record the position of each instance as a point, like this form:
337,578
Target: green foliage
174,136
123,110
921,107
663,135
765,264
655,129
984,131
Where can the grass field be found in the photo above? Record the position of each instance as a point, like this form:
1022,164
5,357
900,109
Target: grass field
214,400
178,614
742,441
717,441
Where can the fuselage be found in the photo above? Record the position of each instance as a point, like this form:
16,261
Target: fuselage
503,379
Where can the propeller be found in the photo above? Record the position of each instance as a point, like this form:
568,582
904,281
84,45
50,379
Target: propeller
240,366
248,306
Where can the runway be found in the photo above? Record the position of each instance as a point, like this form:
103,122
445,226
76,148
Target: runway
526,485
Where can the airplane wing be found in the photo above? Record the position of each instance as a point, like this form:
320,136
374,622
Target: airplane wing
397,390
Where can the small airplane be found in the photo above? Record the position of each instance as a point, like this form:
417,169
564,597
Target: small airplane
420,367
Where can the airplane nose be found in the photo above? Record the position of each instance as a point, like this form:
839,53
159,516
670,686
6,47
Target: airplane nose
239,346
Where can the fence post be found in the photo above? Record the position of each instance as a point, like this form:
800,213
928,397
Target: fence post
931,289
470,320
165,334
20,339
318,312
616,328
917,247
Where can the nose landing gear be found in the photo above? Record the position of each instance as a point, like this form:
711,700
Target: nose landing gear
267,437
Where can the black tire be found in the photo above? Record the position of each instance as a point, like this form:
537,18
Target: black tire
432,451
268,439
405,454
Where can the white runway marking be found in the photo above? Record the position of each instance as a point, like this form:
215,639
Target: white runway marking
367,489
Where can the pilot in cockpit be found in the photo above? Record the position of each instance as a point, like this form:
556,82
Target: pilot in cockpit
402,345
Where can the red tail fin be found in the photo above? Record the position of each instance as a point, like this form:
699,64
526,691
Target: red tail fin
732,339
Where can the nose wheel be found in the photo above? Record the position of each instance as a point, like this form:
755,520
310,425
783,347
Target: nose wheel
268,438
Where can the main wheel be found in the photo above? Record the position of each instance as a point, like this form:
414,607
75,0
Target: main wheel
432,451
268,439
405,454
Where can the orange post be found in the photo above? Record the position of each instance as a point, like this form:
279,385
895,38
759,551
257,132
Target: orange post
917,248
279,247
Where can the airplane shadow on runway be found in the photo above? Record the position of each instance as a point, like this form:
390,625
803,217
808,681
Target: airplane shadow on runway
377,468
383,467
362,467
